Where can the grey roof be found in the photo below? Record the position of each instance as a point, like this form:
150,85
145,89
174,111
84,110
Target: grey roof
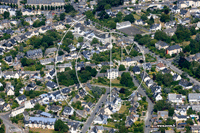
173,96
194,96
173,47
43,120
44,1
22,97
162,44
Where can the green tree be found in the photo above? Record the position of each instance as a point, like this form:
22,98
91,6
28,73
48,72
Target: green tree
122,68
60,126
6,15
130,18
62,16
126,79
108,6
144,17
95,41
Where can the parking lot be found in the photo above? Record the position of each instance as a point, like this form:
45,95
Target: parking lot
131,31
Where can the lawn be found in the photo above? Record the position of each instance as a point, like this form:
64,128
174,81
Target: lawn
40,130
122,109
110,124
136,16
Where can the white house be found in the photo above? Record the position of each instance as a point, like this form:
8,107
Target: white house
112,73
122,25
17,111
176,98
194,98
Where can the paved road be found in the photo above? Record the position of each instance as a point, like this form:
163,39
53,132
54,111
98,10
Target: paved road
168,62
150,105
101,101
8,124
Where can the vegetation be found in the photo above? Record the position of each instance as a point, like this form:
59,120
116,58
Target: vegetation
17,118
61,126
126,79
122,68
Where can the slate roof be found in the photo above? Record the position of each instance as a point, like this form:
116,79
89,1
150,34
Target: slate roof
29,2
173,47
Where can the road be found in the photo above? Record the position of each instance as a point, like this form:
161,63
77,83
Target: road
150,105
168,62
101,101
167,3
8,124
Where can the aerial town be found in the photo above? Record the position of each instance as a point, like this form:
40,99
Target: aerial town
99,66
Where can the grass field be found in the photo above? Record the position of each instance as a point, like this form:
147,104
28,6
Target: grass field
122,109
40,130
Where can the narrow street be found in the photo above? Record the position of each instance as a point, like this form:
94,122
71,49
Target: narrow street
99,104
150,106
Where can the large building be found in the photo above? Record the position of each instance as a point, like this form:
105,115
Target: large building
10,1
112,73
46,2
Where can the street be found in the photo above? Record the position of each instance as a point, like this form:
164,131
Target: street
10,128
150,105
101,101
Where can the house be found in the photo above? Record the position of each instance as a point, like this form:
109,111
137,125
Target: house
112,73
136,70
160,66
180,111
34,54
41,3
100,119
140,22
17,111
195,129
74,127
68,111
161,45
194,98
170,24
54,108
2,101
144,76
149,83
9,60
176,77
21,99
11,74
122,25
196,88
129,62
40,122
49,51
97,129
92,4
176,98
9,90
170,31
130,120
51,74
174,49
51,85
147,66
169,131
45,114
155,88
162,114
47,61
180,118
155,27
157,96
185,84
185,13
